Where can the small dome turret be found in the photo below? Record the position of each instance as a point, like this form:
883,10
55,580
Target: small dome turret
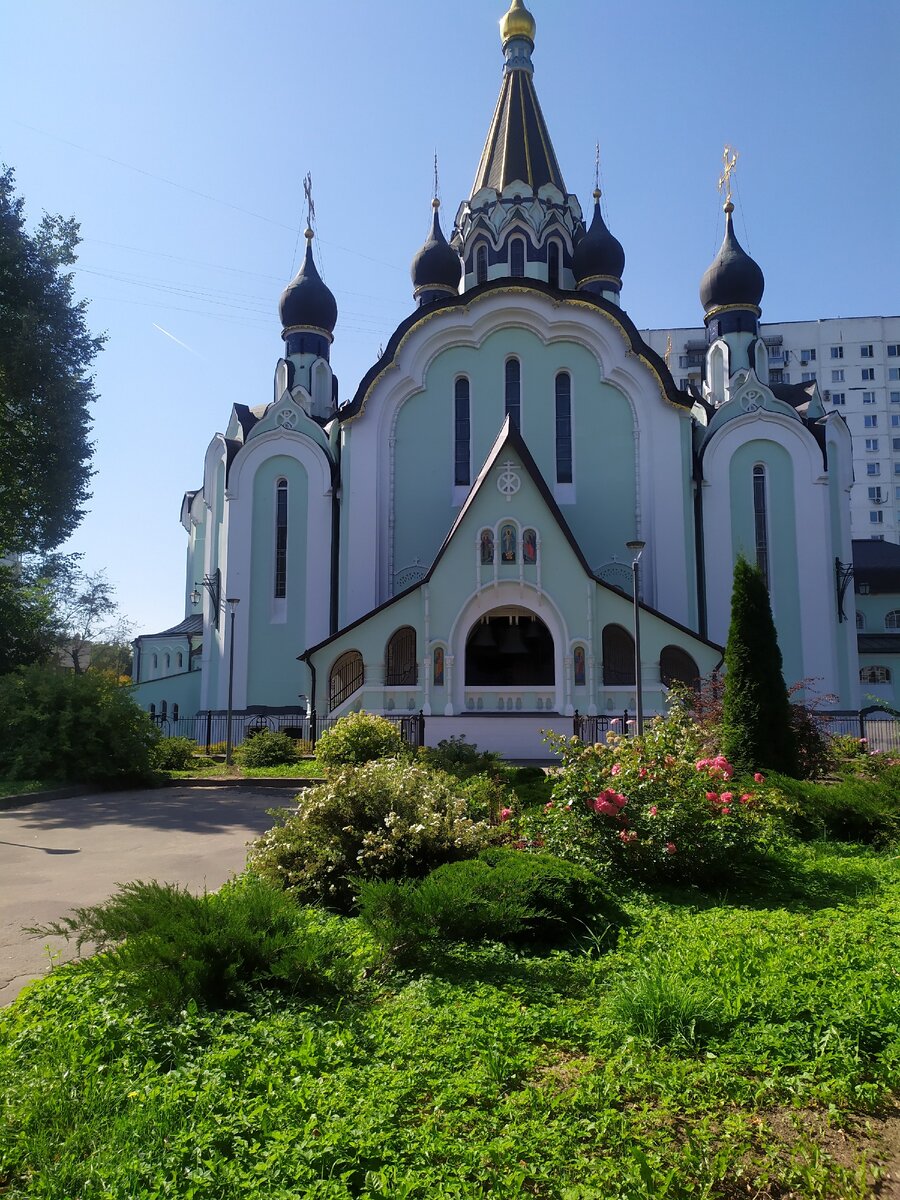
307,302
436,270
518,22
733,278
599,260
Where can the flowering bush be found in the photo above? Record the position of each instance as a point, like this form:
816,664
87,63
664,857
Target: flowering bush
387,819
653,807
267,748
358,738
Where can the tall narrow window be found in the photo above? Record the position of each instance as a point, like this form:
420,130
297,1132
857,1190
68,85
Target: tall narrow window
462,433
281,514
563,428
553,264
481,264
760,521
513,391
517,258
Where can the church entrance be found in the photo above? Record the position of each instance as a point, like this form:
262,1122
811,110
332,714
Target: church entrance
512,649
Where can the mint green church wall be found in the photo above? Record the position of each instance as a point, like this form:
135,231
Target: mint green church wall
602,428
182,689
215,532
278,627
784,586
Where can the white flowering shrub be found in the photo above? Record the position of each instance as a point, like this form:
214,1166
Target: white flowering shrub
387,819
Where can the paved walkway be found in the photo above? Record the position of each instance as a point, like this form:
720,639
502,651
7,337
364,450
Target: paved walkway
57,855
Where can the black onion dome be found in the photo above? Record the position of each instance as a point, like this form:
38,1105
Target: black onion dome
307,301
598,252
437,265
732,277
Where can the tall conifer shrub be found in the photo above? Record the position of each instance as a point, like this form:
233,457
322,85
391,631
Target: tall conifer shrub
757,731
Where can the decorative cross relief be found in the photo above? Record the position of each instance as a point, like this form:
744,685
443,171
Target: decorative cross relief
287,418
508,481
751,401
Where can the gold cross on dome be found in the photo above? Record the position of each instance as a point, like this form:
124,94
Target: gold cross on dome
728,165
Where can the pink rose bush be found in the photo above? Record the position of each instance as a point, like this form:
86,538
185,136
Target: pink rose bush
652,808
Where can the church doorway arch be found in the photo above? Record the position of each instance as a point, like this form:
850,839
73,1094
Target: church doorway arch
510,647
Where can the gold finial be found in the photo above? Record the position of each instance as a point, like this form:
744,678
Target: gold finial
435,201
668,354
728,165
518,22
308,234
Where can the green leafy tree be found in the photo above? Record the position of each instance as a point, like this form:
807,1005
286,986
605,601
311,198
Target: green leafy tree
30,633
46,351
757,729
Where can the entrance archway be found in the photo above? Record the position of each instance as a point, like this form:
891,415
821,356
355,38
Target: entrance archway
509,647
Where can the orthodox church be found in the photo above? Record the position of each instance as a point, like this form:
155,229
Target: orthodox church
461,538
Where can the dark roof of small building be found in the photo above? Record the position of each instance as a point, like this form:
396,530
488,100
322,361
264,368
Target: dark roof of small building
878,643
795,394
190,625
876,566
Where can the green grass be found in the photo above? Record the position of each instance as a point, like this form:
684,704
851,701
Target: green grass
724,1048
304,768
21,787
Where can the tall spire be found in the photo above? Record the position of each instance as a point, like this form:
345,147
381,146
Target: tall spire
518,146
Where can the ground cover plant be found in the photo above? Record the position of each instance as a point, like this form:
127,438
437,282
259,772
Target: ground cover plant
718,1050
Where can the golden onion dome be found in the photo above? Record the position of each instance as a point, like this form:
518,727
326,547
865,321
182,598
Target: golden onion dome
518,22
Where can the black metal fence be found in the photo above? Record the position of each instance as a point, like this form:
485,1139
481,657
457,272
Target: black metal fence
595,728
210,730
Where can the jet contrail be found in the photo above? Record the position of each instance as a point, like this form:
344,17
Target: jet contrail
175,339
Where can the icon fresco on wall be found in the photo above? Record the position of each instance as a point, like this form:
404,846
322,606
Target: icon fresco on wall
508,543
487,547
529,546
439,667
580,673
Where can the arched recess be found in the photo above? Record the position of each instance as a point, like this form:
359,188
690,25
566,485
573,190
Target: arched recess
618,657
892,621
400,665
876,674
347,676
677,666
509,647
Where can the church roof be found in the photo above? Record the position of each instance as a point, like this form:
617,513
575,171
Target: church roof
518,145
190,625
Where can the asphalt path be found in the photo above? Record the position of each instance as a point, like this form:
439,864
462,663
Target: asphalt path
60,854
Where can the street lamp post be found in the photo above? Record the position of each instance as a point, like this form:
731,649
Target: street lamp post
636,547
229,740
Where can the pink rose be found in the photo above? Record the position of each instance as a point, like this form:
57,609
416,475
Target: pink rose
505,814
548,806
670,847
643,773
725,810
746,798
757,778
712,797
617,769
652,810
727,797
627,836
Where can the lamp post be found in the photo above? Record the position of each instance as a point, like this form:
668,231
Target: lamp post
636,547
232,607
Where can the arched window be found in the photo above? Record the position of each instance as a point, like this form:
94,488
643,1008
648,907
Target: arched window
179,660
152,712
481,264
892,620
563,427
155,661
461,433
874,675
164,710
553,264
517,258
618,657
400,667
513,391
167,662
281,520
677,666
761,521
486,544
174,712
347,676
860,620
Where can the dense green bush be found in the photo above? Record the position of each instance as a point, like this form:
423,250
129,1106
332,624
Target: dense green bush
387,819
653,808
86,728
503,895
852,810
359,738
462,760
266,749
174,753
171,947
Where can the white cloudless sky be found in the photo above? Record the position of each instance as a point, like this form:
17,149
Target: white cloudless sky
178,134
